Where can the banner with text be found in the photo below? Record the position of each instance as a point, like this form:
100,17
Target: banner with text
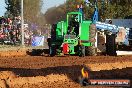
37,40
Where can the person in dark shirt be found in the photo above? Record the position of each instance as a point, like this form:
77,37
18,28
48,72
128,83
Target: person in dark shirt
13,37
2,20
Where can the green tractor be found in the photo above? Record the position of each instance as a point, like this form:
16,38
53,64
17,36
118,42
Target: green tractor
74,36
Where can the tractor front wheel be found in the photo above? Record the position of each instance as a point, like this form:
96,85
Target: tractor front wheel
82,51
91,50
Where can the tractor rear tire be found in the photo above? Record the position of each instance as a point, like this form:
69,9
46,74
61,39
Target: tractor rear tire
111,45
91,50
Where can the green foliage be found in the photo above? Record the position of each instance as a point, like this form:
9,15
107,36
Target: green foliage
109,9
115,9
13,7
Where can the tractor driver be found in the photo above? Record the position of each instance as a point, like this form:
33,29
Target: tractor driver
74,25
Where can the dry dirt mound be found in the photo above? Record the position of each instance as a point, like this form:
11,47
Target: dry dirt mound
9,80
60,76
59,72
108,66
59,80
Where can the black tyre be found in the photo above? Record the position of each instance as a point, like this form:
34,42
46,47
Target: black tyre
82,51
52,50
91,50
111,45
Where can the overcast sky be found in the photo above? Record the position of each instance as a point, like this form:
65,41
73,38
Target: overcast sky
47,4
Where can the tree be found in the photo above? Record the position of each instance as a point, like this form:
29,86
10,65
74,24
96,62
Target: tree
115,9
32,10
13,7
111,9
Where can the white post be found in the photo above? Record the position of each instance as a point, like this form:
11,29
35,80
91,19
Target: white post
22,22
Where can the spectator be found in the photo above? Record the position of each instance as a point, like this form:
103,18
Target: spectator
2,20
27,37
13,37
10,29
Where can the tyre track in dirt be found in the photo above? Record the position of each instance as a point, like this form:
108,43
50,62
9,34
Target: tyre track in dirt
46,72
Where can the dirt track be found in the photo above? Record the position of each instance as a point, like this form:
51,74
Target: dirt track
58,72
